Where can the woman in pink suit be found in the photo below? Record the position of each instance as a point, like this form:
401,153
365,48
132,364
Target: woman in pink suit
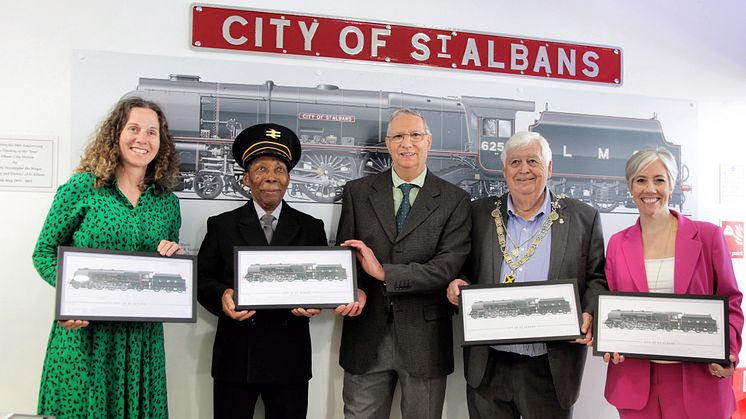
667,252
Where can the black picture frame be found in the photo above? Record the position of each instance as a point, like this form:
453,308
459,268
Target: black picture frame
526,312
661,326
116,285
292,277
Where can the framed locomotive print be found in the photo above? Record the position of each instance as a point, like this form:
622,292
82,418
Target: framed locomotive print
669,327
98,284
523,312
292,277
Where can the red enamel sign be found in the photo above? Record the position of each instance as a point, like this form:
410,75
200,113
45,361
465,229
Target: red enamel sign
314,36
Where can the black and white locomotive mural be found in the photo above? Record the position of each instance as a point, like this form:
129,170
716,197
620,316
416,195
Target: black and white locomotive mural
663,321
343,134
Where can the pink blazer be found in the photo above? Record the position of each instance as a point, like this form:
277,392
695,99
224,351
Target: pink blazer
702,266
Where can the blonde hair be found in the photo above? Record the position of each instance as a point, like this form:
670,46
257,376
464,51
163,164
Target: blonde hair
101,156
643,158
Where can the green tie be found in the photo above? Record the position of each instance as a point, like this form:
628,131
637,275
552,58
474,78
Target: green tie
405,206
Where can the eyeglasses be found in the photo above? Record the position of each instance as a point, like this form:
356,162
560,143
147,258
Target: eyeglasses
415,137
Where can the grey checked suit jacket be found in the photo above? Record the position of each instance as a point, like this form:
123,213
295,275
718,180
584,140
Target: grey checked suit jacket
577,251
419,263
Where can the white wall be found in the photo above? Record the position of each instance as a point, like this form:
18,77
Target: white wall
683,50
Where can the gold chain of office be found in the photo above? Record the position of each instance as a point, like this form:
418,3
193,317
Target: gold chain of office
538,237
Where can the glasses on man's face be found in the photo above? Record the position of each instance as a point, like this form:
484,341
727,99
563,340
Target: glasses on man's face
415,137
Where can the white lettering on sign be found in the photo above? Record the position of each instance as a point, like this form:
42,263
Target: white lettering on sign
603,153
422,52
227,30
471,53
280,24
589,59
308,33
326,117
376,42
443,46
258,32
518,57
564,152
566,62
542,61
360,40
293,34
491,56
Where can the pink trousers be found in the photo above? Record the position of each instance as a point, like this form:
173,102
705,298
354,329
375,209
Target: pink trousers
666,399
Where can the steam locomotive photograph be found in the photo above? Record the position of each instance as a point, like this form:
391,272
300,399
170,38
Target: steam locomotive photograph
343,135
519,307
664,321
534,311
112,279
295,272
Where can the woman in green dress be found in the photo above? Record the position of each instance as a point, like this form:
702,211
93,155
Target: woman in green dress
119,198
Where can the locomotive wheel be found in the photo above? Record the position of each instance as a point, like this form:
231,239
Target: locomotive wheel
375,163
237,184
604,206
208,185
331,172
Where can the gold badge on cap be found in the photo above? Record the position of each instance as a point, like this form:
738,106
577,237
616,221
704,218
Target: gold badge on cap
272,133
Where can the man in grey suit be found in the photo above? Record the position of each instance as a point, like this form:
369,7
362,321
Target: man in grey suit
530,234
411,232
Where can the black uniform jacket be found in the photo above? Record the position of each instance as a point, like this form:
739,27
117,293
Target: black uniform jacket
273,345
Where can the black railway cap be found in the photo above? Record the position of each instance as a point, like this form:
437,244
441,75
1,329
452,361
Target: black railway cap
266,140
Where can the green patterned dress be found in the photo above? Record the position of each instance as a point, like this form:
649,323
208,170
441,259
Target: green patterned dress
107,370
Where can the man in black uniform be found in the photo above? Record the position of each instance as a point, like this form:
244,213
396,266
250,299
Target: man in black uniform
256,353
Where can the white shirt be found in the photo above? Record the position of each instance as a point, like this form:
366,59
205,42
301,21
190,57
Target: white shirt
660,274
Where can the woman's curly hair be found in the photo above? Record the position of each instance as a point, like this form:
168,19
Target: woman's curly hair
101,156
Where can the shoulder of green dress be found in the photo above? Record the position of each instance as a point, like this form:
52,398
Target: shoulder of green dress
167,201
79,182
173,199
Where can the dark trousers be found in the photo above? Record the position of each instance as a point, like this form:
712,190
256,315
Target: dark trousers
515,386
281,400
